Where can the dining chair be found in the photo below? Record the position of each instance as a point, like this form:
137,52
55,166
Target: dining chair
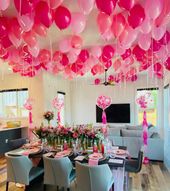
133,166
58,172
17,143
20,170
93,178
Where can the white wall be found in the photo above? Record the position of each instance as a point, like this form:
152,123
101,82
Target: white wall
84,96
52,84
35,88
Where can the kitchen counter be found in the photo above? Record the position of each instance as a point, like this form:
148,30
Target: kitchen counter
8,129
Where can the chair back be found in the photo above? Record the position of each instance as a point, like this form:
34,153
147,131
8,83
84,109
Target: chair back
93,178
57,171
16,143
18,168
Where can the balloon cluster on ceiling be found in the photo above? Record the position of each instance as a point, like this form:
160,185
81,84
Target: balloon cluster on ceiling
134,33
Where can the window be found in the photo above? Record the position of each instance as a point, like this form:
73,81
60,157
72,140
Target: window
11,103
61,95
151,110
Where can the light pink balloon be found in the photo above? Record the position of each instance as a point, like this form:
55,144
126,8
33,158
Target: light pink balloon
108,35
72,57
86,6
96,51
76,50
15,41
34,51
146,26
78,22
26,22
162,54
153,8
65,45
54,3
4,4
144,41
158,32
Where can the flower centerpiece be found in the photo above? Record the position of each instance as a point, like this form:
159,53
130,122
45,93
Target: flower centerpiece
48,115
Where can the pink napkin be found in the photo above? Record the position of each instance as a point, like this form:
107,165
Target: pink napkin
93,162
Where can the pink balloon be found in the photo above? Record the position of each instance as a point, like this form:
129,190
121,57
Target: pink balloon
146,26
97,81
157,68
108,52
5,41
3,26
84,55
136,17
78,22
162,54
54,3
117,64
118,24
103,102
108,35
86,6
108,64
4,4
126,4
44,14
76,42
158,32
40,29
15,28
144,41
153,10
65,45
64,60
72,57
106,6
96,51
165,39
26,22
15,41
104,22
30,38
44,56
34,51
62,17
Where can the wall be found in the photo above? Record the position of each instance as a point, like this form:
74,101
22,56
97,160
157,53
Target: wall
52,84
84,95
167,122
35,88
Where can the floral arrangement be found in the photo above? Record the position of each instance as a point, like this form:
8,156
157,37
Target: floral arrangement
48,115
82,133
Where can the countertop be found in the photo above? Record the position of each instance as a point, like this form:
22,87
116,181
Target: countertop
8,129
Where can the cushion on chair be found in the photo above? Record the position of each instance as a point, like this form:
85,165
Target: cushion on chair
35,172
131,133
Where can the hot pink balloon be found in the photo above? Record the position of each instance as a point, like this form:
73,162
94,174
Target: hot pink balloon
58,103
158,32
78,22
108,51
5,41
96,51
86,6
97,81
44,56
167,64
153,10
165,39
64,60
157,67
15,41
3,26
65,45
144,41
4,4
44,13
126,54
30,38
118,24
106,6
84,55
137,15
62,17
23,7
40,29
26,22
104,22
28,104
108,64
126,4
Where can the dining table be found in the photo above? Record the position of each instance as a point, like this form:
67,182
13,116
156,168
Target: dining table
115,158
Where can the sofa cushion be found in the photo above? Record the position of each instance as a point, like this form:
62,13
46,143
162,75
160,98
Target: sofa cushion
134,127
131,133
117,126
114,131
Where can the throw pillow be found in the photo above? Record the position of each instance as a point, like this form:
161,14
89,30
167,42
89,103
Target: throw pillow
131,133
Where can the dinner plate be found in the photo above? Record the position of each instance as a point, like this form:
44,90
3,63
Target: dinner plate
120,152
94,156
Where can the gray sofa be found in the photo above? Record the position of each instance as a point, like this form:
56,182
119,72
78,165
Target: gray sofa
131,137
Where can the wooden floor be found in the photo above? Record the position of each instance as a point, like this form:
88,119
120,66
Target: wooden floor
153,177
